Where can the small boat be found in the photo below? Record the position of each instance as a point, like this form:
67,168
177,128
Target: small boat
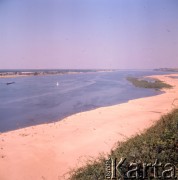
8,83
57,84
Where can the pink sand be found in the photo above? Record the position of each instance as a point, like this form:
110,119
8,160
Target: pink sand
48,151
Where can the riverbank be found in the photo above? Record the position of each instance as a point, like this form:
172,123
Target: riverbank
17,74
48,151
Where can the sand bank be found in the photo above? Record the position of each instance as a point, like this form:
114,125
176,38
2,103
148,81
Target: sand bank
13,76
46,152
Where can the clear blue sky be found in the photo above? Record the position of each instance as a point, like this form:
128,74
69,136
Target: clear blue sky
88,33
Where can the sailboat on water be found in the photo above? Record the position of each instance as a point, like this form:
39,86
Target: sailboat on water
57,84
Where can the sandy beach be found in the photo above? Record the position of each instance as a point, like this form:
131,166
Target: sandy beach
48,151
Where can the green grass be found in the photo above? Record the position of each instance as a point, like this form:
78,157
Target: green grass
158,142
157,84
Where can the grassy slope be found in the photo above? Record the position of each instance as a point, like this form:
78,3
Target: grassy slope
158,142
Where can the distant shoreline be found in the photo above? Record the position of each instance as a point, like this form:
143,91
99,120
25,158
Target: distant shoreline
17,74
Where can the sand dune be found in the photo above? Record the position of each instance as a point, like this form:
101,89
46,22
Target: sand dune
46,152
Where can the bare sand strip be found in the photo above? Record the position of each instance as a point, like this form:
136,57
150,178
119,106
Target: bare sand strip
46,152
14,76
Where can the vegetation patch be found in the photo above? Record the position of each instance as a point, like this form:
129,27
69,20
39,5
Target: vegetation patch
158,142
157,84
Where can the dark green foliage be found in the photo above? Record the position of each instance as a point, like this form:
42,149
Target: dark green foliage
158,142
157,84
